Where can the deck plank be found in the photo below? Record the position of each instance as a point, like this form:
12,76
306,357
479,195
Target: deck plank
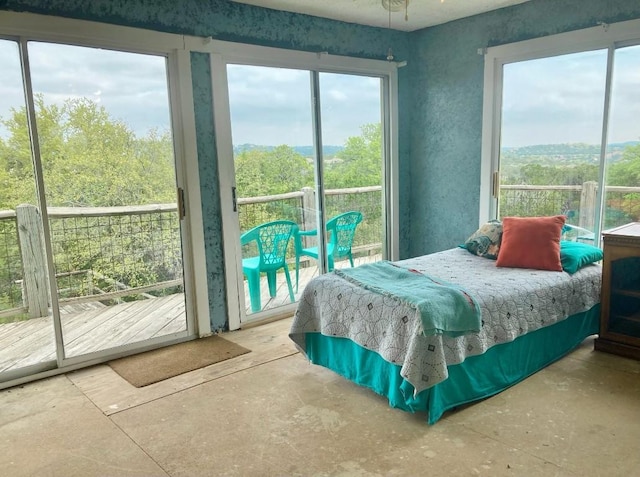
100,327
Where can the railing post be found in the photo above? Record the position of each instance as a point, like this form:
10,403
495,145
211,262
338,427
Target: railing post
588,205
308,211
34,263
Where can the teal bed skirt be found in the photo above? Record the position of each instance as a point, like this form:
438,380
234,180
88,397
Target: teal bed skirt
476,378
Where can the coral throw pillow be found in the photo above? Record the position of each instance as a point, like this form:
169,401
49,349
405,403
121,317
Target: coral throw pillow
531,242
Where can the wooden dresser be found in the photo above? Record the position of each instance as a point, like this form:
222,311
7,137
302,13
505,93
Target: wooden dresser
620,299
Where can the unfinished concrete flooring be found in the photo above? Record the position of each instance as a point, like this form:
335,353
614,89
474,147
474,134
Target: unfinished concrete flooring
270,413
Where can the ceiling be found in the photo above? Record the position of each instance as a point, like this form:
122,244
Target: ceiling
421,13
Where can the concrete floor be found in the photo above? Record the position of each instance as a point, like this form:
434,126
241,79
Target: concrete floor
270,413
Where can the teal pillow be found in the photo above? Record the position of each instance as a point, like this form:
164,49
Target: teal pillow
575,255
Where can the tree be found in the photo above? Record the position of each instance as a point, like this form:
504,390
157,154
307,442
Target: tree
88,158
359,164
626,172
261,172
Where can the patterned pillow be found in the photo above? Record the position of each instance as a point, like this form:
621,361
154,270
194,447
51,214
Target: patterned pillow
485,242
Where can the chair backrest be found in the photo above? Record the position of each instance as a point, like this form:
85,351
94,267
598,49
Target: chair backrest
342,229
272,239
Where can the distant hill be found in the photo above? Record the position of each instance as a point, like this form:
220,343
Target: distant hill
306,151
566,154
544,154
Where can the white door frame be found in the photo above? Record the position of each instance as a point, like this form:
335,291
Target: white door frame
223,53
46,28
604,36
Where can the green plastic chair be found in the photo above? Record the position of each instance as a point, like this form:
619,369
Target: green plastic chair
340,230
272,240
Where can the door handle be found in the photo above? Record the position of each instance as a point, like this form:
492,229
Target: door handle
182,211
234,199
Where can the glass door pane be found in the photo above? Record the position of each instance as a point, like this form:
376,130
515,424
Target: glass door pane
552,113
622,176
26,324
271,125
351,115
104,129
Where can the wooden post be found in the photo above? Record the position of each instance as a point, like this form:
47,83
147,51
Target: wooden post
308,212
34,263
588,205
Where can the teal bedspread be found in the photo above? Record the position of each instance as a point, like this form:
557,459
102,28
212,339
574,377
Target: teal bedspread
478,377
444,308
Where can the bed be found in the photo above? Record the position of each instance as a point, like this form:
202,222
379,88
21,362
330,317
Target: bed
528,319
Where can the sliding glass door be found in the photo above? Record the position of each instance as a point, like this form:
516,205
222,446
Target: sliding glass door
308,173
27,338
92,260
567,127
273,153
622,160
351,113
551,137
107,156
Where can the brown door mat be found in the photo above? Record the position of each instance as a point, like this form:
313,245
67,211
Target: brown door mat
160,364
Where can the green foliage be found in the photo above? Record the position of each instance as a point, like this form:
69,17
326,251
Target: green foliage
261,172
624,207
280,170
90,159
359,164
626,172
536,174
569,164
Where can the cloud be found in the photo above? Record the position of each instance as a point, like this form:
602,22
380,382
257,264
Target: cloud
269,106
272,106
132,87
561,99
549,100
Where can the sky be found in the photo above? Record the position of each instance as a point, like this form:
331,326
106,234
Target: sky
561,99
546,101
270,106
132,87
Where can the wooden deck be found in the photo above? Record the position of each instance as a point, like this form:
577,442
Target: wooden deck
94,327
31,342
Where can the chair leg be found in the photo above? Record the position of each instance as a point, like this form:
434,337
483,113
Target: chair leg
271,278
286,274
331,264
351,259
297,270
253,281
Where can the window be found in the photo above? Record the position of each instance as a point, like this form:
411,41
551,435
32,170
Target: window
558,125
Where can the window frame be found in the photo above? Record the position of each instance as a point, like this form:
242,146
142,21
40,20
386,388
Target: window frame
25,27
601,37
224,53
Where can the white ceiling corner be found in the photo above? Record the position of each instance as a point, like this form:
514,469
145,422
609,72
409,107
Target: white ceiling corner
421,13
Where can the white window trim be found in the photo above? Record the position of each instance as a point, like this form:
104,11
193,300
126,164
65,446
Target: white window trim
223,53
602,36
94,34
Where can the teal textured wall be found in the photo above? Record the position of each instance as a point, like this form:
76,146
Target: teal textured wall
446,81
440,95
230,21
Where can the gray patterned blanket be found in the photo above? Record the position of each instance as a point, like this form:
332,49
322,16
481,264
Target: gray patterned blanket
512,302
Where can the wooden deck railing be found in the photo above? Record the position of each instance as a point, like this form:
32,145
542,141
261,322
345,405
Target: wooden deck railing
23,264
577,201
